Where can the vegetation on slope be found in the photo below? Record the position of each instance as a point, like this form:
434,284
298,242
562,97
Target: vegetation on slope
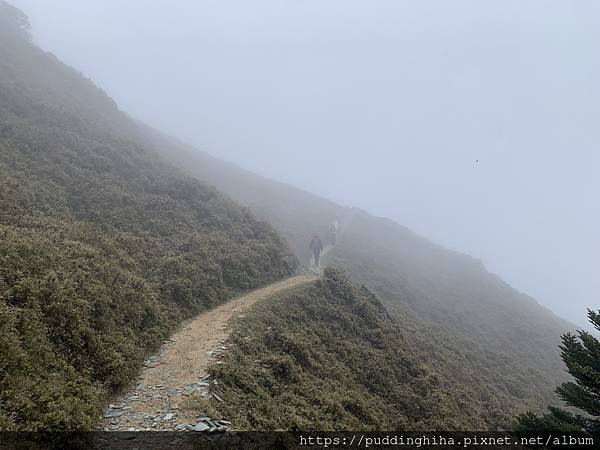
327,356
103,247
297,215
498,342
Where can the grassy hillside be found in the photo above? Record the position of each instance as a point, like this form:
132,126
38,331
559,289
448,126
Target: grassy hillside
329,357
104,248
498,342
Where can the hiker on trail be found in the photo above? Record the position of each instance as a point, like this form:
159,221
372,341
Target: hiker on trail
334,228
317,247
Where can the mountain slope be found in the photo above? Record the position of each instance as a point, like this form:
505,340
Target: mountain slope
329,357
475,329
104,248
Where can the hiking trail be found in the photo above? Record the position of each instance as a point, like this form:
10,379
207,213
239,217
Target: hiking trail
180,371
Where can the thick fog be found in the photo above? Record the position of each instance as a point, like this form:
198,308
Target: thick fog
477,124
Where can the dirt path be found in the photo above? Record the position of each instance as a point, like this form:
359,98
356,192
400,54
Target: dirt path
179,370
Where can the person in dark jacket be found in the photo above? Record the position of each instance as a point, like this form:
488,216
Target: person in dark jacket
317,247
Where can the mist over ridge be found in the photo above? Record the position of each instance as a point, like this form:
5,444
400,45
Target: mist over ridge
385,107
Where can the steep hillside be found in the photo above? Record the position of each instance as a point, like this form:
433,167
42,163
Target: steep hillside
468,323
296,214
329,357
104,248
476,326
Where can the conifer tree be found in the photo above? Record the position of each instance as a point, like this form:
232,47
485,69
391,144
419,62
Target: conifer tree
581,355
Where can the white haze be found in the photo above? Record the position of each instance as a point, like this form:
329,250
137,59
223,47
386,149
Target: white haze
385,105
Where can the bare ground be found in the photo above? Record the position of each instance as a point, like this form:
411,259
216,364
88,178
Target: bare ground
179,370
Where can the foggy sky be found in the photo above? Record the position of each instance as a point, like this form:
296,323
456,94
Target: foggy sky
384,105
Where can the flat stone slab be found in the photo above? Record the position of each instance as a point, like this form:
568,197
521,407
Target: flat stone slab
201,426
